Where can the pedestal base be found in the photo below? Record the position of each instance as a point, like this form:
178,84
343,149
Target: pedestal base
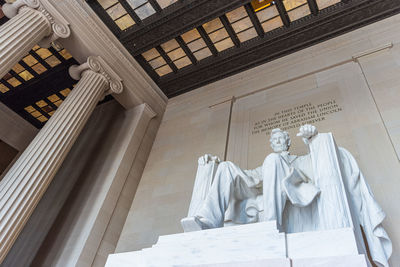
258,244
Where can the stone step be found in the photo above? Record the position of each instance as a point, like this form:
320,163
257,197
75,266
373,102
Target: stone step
258,244
225,231
217,239
245,248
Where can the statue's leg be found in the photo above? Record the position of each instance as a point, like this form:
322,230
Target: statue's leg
229,181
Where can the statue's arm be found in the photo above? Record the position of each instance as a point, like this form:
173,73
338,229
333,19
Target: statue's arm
255,174
307,132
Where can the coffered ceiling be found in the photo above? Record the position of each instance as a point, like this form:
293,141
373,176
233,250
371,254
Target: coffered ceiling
184,44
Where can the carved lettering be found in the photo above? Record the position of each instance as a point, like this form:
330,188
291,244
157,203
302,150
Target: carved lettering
294,117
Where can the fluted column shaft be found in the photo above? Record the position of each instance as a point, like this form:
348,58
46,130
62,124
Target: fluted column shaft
24,184
30,24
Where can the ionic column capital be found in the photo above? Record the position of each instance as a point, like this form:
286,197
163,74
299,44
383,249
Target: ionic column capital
58,25
98,65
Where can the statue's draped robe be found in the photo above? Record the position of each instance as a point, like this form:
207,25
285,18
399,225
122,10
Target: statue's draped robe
345,200
339,193
231,191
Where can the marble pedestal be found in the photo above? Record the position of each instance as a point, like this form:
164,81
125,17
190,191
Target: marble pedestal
258,244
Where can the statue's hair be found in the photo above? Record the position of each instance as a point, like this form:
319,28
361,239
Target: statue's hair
285,134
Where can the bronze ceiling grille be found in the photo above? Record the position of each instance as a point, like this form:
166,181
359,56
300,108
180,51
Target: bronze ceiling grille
185,44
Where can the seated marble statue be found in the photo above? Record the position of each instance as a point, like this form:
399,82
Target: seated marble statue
322,190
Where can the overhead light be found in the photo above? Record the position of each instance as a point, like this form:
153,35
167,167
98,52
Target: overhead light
261,4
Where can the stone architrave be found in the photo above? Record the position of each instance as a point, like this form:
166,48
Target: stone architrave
31,23
23,186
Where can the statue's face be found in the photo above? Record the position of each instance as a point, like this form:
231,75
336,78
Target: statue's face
279,142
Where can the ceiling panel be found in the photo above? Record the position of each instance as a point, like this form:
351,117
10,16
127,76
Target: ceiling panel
183,45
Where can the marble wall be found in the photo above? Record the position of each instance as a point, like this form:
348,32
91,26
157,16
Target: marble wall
355,77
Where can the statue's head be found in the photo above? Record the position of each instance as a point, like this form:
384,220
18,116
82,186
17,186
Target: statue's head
280,140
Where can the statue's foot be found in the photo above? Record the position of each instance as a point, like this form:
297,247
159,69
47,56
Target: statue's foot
191,224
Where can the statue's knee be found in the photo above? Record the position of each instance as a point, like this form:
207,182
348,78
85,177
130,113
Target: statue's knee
223,171
225,165
222,164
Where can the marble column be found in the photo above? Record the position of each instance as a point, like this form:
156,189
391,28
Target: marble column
23,186
31,22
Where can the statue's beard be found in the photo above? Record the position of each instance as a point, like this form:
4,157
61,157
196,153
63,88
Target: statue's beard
280,147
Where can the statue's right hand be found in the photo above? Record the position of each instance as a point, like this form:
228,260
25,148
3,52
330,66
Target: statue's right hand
307,132
203,160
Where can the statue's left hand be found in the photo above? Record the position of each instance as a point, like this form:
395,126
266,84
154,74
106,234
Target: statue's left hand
203,160
307,131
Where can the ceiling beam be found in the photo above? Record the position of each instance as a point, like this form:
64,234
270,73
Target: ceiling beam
130,11
155,5
186,49
330,22
254,19
230,30
167,59
173,21
207,40
313,7
282,12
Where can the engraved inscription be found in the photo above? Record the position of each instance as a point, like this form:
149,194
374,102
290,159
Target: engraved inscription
294,117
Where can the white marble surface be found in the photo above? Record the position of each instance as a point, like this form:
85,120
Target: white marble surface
261,241
241,243
126,259
258,244
258,263
223,232
342,261
321,243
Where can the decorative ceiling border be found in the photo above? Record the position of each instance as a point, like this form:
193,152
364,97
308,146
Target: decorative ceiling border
183,16
308,31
